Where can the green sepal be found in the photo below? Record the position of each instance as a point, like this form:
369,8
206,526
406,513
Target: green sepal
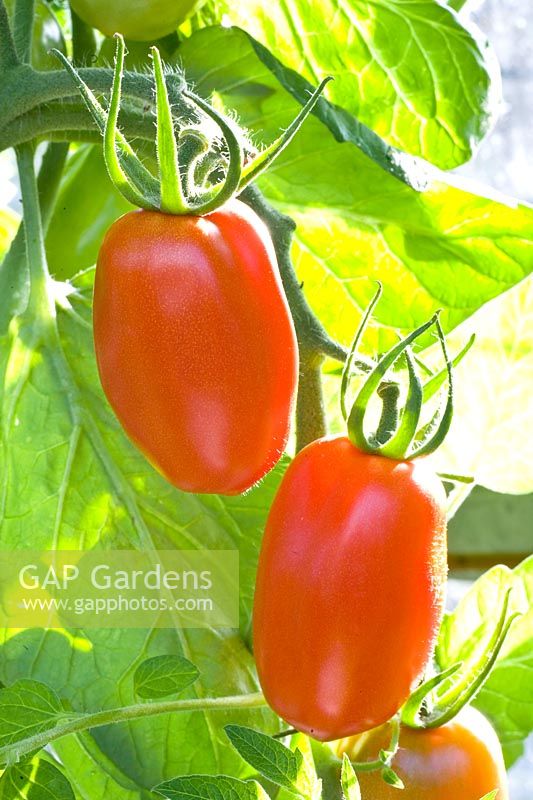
453,478
398,444
347,369
229,186
171,192
433,441
446,704
357,414
176,192
127,171
391,778
432,386
411,711
260,163
130,177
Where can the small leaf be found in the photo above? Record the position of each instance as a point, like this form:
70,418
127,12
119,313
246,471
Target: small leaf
207,787
349,782
26,708
270,758
35,780
163,675
491,795
391,778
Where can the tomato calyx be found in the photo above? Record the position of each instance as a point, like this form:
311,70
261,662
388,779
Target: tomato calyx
442,696
197,172
398,434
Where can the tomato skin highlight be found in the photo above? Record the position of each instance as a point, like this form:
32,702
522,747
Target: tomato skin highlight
350,587
462,760
139,20
195,344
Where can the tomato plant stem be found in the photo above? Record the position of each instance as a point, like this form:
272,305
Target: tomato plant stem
22,28
76,723
310,412
13,268
8,54
313,340
40,303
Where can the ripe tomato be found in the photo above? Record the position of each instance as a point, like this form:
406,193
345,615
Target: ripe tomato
460,761
350,586
140,20
195,344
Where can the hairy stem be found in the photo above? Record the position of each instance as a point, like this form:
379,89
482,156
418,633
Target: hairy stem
8,53
313,340
310,412
82,722
23,28
40,305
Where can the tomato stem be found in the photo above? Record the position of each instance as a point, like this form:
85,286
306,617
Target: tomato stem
40,304
8,53
313,340
386,756
23,16
76,723
397,443
14,266
389,394
310,411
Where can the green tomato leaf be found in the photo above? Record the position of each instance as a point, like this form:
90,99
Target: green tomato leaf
8,227
35,780
206,787
272,759
93,773
71,478
27,708
163,675
442,248
349,782
507,696
492,430
416,74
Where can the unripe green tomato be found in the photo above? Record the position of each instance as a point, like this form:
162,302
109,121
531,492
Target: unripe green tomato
47,34
139,20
